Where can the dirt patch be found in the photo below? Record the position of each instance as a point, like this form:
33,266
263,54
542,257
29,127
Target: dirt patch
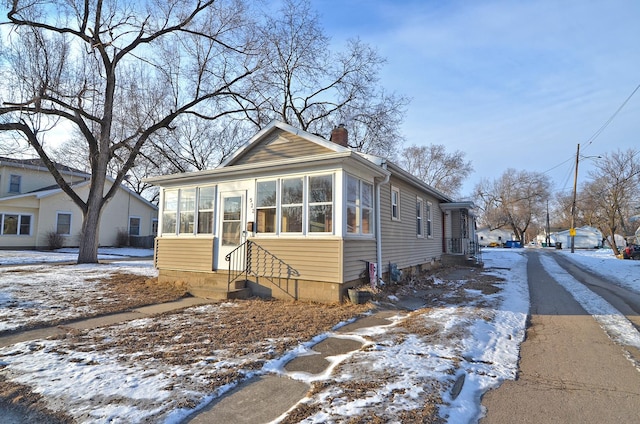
19,400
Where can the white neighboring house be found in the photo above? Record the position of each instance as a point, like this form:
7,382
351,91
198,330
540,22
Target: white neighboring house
500,236
586,238
32,206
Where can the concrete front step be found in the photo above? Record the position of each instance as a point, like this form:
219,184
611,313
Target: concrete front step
216,293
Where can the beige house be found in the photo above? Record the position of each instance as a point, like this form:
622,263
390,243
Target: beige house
292,215
32,206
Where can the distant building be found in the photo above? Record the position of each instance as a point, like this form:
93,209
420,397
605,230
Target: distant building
32,206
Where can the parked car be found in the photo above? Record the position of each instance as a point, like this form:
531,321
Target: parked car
632,251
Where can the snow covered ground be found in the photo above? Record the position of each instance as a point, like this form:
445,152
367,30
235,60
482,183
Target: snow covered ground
479,339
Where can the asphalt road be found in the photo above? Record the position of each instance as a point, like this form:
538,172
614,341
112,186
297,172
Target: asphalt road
569,371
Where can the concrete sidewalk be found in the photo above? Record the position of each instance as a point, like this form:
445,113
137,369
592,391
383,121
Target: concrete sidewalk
101,321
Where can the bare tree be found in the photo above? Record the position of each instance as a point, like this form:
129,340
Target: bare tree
516,200
308,85
434,165
611,195
118,74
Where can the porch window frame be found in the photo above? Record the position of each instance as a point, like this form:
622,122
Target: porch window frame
200,212
325,203
360,206
275,207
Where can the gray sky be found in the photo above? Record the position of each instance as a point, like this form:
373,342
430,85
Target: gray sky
515,84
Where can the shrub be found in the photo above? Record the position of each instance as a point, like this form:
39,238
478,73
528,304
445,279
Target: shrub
122,238
54,240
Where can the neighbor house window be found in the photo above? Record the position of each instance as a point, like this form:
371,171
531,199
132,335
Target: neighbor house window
154,226
206,200
134,226
419,217
14,183
292,197
428,219
170,211
63,223
266,206
395,203
359,206
321,204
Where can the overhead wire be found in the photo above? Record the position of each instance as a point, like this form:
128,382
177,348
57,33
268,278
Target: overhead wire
595,135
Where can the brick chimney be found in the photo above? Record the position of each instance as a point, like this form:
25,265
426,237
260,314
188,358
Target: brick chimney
339,135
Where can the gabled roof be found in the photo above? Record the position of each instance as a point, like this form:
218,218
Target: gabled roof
275,126
54,190
38,165
331,152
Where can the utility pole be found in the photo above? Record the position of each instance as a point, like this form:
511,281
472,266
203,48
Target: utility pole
547,238
572,230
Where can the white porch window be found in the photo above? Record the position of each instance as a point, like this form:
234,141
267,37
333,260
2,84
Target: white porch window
266,206
170,211
321,204
359,206
206,201
292,195
187,208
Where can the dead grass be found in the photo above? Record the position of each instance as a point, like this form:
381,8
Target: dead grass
246,328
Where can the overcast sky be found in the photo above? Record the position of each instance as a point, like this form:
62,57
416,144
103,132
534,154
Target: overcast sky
512,83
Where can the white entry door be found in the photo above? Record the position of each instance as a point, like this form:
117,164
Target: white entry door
232,226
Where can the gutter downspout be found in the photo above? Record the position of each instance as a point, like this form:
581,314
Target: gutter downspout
378,223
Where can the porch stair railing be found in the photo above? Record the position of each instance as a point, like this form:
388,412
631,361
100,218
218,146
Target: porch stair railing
252,259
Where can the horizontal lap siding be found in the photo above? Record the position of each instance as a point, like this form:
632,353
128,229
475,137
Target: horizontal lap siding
356,254
311,259
281,146
195,254
400,244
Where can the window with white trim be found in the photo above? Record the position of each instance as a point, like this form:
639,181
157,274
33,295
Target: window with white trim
134,225
359,206
419,231
206,202
186,210
170,211
267,206
320,200
14,183
429,220
292,197
395,203
63,223
15,224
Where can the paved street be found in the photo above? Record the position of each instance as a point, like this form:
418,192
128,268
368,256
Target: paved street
570,370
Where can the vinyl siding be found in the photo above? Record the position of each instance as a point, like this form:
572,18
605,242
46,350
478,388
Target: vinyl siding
356,253
281,145
316,259
400,245
186,254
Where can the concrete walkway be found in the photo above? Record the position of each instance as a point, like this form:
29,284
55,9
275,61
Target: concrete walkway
101,321
569,371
